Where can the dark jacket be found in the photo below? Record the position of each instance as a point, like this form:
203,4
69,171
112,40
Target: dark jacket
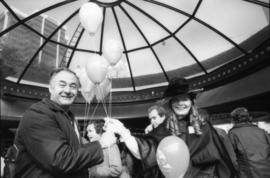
227,143
252,148
49,146
208,155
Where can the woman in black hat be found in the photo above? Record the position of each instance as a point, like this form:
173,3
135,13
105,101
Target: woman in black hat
179,100
208,156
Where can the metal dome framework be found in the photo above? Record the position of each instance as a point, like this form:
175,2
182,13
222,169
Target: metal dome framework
198,71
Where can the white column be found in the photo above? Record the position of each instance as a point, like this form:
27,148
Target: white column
5,20
57,49
41,39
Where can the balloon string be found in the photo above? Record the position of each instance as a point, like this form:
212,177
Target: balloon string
110,110
103,100
86,114
88,111
110,100
85,117
94,44
94,110
104,103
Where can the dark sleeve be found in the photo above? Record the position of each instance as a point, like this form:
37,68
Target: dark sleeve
209,149
148,145
202,149
147,167
267,135
233,140
147,148
227,143
50,149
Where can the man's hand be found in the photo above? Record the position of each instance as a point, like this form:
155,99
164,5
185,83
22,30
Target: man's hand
148,129
107,139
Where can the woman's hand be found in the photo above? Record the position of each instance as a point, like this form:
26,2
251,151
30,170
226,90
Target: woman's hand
115,126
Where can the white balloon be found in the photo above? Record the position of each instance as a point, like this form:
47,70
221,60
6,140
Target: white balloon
96,68
91,17
112,72
112,51
171,151
88,95
87,87
103,89
78,71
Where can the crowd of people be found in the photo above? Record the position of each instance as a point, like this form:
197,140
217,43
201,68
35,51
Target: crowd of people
48,143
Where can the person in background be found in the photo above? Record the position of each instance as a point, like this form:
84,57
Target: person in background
2,166
112,165
227,143
251,145
47,139
209,157
10,158
157,115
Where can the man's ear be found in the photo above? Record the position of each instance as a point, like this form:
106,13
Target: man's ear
50,88
164,117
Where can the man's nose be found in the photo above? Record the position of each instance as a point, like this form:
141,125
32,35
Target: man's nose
67,89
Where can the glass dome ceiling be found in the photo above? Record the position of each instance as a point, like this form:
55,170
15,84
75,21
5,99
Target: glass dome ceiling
161,38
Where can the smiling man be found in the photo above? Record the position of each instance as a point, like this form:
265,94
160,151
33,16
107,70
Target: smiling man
48,140
63,87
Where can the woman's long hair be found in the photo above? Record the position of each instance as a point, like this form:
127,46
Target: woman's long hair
196,118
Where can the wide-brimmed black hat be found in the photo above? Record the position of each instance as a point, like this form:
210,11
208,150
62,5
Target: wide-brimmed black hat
180,86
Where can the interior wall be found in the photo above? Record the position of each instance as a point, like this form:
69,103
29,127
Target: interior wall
252,91
261,124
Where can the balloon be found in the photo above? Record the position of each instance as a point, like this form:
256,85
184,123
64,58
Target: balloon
78,71
173,157
87,87
112,72
96,68
91,17
88,95
121,69
112,51
103,89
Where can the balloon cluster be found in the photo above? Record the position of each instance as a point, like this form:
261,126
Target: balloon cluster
96,78
97,75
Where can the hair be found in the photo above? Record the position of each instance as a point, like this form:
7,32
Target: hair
240,115
57,70
98,125
197,117
160,109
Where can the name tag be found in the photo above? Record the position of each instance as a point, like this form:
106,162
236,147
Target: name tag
191,130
